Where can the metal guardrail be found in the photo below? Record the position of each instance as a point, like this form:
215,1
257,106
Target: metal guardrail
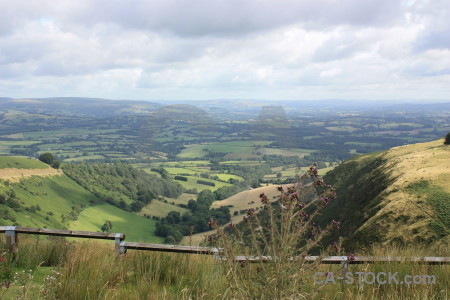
121,247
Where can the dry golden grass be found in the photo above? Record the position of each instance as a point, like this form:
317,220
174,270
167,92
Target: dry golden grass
240,201
15,174
408,164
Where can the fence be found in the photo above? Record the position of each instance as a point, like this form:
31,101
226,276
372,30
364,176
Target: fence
121,247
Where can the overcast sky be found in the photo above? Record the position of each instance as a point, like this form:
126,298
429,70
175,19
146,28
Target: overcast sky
217,49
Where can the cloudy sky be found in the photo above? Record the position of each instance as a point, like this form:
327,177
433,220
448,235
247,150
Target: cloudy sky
216,49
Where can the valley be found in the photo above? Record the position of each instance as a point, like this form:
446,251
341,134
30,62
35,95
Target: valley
142,166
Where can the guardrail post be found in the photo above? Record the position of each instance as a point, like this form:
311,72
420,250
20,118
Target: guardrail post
344,265
122,248
216,254
12,240
117,240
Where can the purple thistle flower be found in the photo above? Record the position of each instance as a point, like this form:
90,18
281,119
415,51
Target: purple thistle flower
335,246
336,224
250,212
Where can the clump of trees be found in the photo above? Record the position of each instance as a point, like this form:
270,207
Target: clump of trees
119,184
50,159
175,226
107,226
447,139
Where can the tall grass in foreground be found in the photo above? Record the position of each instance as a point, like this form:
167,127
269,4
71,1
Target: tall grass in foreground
91,270
283,234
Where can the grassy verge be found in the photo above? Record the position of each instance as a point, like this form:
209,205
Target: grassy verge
91,270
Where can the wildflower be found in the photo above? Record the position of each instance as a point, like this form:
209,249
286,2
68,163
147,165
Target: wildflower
264,199
313,172
211,237
335,246
2,259
351,257
319,182
231,226
325,199
336,224
294,196
211,223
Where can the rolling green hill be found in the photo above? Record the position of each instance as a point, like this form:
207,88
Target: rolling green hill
398,196
21,163
59,202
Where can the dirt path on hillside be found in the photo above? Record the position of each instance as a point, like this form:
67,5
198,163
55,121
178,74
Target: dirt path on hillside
16,174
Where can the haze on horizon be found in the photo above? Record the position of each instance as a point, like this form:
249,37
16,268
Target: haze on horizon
225,49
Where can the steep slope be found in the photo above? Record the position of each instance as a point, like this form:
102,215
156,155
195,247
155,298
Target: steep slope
398,196
39,200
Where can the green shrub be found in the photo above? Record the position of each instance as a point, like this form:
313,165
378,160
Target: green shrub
447,139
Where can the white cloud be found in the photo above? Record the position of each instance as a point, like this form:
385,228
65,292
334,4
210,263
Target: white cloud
225,49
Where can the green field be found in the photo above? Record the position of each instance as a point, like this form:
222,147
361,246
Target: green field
226,177
342,128
287,152
82,158
193,151
191,183
241,162
236,147
182,199
161,209
21,163
176,171
136,228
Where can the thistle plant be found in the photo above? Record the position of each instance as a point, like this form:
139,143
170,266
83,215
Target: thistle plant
278,240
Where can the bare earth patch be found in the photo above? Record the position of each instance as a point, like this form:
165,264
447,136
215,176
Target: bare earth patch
15,174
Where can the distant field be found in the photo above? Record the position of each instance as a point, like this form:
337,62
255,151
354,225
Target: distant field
176,171
227,177
240,162
82,158
192,183
136,228
161,209
192,151
342,128
237,147
21,163
291,172
287,152
183,199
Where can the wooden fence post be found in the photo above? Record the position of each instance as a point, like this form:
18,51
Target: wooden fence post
12,240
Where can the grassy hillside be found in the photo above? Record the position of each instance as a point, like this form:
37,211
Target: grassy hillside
121,184
42,201
59,202
20,163
398,196
136,228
